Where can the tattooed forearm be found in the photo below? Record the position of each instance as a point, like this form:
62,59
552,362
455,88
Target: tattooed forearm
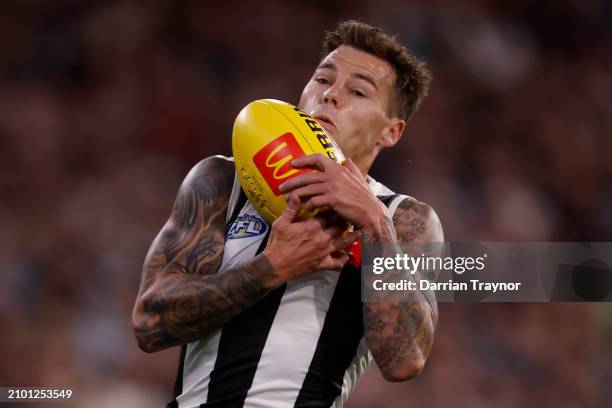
182,295
184,307
400,334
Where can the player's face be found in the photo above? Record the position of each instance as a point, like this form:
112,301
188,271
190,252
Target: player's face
349,94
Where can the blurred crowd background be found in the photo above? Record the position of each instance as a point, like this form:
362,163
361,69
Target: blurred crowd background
105,105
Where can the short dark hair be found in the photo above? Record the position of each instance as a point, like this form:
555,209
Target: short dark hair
413,76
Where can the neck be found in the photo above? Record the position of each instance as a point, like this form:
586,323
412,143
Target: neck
365,163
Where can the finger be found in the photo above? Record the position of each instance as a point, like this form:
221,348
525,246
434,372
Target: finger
319,201
291,211
334,264
317,160
354,170
315,224
332,231
310,191
348,163
302,180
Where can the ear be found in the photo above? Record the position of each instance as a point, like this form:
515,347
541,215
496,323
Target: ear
392,133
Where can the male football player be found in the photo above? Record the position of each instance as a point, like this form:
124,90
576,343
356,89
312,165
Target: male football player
271,315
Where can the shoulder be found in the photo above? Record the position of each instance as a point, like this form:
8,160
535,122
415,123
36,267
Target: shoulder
416,221
211,176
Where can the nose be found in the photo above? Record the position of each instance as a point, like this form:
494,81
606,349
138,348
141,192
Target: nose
331,95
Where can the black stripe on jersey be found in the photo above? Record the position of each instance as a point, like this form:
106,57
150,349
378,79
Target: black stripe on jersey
337,346
242,199
178,384
240,348
387,199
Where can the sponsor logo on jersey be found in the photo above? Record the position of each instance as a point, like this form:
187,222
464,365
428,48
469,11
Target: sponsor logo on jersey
246,226
274,160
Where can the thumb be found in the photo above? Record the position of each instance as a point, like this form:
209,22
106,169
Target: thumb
348,163
293,207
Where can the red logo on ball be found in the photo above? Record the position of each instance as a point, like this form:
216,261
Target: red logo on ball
274,160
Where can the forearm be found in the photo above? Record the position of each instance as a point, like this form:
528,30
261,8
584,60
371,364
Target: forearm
181,308
399,333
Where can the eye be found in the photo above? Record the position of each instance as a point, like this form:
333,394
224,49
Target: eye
322,80
358,93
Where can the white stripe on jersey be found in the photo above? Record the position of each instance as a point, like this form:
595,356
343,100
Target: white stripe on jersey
294,332
199,362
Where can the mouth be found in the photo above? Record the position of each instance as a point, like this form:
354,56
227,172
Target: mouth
326,122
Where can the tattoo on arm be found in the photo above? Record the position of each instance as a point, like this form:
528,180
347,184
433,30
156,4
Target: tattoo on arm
187,307
400,334
182,296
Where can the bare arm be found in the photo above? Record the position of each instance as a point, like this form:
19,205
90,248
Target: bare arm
182,295
400,334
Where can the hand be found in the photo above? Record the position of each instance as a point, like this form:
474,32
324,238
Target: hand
299,247
342,188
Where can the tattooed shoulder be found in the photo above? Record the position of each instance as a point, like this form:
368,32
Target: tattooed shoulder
417,222
209,182
192,239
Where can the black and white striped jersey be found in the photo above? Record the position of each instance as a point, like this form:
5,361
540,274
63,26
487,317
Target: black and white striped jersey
302,345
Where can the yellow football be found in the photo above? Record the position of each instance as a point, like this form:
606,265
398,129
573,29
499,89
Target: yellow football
267,135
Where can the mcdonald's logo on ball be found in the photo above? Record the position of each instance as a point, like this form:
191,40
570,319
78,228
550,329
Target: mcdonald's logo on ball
274,160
